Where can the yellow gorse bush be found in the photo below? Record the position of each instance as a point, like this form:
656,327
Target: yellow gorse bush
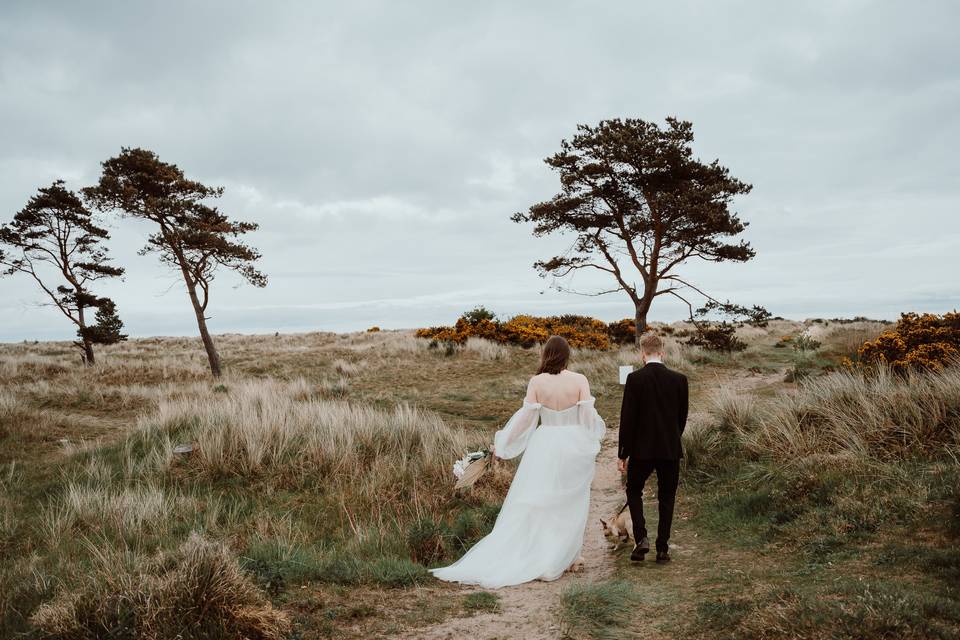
581,332
918,341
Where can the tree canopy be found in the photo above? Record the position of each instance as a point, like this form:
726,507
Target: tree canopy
55,239
639,205
193,237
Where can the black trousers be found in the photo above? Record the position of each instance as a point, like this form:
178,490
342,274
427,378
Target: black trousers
668,477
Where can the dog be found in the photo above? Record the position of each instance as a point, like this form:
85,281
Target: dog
617,529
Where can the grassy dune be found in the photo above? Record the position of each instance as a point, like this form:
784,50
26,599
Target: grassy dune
319,487
855,481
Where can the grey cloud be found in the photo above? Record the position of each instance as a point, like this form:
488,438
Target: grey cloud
382,146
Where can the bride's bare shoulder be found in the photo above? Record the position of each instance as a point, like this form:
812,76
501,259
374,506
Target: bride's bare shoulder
582,383
539,378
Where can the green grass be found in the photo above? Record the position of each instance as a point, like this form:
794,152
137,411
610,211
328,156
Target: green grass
481,601
859,540
597,610
851,609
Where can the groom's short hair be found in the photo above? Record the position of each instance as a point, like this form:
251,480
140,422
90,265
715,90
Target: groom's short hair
651,343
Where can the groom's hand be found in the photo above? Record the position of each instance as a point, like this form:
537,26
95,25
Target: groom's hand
622,465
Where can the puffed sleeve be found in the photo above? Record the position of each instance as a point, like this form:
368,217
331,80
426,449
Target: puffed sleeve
510,441
590,419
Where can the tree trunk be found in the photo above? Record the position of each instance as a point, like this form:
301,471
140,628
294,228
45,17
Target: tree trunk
87,345
640,319
211,348
88,352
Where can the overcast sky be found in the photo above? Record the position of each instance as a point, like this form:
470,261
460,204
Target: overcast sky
383,146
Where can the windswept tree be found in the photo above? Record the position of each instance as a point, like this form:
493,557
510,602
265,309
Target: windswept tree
192,237
56,241
639,205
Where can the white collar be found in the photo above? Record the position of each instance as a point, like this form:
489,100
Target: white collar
654,359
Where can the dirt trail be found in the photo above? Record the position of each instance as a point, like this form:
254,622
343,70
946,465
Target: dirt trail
530,610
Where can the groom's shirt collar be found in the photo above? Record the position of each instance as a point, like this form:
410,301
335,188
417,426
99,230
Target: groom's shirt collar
654,359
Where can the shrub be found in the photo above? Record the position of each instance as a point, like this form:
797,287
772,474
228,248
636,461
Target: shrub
526,331
478,314
373,329
918,341
805,343
622,331
717,336
783,342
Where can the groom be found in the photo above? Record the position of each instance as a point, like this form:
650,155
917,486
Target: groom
652,418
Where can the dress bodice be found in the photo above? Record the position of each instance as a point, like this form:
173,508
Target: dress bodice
510,441
553,417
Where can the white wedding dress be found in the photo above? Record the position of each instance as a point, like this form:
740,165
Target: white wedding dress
539,531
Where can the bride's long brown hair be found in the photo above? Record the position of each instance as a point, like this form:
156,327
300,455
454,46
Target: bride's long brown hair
555,355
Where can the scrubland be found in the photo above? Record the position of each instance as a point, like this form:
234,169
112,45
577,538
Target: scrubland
319,489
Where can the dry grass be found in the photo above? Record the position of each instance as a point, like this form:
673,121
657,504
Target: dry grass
198,591
127,510
323,460
281,460
374,460
486,349
262,425
735,412
880,416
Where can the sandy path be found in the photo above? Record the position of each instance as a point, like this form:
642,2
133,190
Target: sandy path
529,610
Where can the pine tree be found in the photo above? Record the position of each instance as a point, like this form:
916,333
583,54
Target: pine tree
192,237
108,326
639,205
55,237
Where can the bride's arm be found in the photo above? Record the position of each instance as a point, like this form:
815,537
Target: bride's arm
510,441
589,417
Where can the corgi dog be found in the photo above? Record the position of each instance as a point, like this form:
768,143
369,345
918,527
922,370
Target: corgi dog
617,529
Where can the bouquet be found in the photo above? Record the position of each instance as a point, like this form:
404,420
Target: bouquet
468,469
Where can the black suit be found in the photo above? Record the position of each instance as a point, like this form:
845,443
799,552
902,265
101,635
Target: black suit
652,418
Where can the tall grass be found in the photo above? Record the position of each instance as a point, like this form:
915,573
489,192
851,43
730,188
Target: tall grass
487,349
127,510
881,416
844,455
300,484
279,431
197,591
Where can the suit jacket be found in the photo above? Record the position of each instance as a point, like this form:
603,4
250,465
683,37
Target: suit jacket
653,414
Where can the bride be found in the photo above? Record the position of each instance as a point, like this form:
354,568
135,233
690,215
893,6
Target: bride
539,532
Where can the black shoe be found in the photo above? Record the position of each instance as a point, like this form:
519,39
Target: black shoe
641,550
663,557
